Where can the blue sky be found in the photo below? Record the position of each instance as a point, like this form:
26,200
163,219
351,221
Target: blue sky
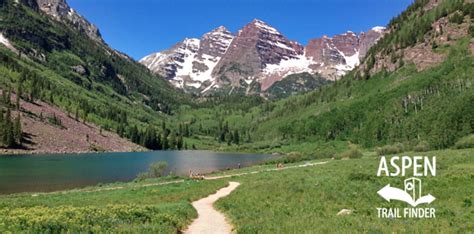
140,27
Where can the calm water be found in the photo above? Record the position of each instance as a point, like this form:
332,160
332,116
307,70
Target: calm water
44,173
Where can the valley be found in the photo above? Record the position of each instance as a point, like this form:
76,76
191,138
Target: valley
318,118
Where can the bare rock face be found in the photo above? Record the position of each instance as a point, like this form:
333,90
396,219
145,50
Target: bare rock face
323,51
347,43
256,58
215,43
368,39
255,47
61,11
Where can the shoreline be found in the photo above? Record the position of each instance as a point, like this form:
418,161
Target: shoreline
17,152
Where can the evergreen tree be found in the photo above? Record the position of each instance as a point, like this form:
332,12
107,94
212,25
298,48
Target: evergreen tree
18,95
180,143
121,130
8,137
2,127
172,141
76,115
150,139
4,97
134,134
236,137
35,88
230,138
186,131
163,126
159,144
8,96
165,143
17,130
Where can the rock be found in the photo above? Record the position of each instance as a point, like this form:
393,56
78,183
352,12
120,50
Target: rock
34,54
81,70
345,212
61,11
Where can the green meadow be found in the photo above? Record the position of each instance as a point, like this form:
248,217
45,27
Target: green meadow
294,200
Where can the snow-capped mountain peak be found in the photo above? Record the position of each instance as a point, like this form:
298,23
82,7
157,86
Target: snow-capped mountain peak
264,26
259,55
189,63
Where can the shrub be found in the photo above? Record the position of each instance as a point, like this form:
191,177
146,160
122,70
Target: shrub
352,154
465,142
157,169
325,154
337,157
390,149
291,157
154,171
422,146
142,176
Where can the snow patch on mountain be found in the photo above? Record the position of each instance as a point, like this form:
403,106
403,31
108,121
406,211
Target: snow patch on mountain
265,27
290,66
352,61
378,29
155,59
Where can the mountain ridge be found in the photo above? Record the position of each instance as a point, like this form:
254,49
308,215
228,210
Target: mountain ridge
256,57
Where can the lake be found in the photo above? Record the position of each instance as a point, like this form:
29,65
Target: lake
53,172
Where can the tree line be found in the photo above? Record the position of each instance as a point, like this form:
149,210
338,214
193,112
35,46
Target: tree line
163,139
10,125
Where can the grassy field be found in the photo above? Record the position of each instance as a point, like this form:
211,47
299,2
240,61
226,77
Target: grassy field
296,200
307,199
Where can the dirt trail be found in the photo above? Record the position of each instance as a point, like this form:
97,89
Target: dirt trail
209,219
266,170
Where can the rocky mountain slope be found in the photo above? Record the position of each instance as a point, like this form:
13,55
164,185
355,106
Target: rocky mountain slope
61,11
422,42
255,58
48,129
59,61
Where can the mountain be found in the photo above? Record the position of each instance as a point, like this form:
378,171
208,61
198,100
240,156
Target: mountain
190,63
55,59
255,58
61,11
